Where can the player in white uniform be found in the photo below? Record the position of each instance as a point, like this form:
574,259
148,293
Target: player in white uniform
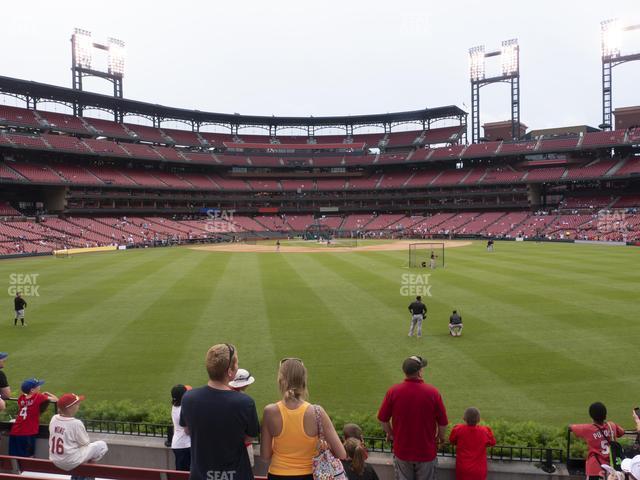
69,444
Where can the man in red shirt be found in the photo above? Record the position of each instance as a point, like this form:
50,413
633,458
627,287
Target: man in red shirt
471,441
597,435
414,417
23,434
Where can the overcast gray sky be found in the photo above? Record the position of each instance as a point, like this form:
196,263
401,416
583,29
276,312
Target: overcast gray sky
332,57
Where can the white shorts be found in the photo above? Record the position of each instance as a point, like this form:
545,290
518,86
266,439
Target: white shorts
20,314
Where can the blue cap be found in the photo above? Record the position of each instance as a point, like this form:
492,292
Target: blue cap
30,384
3,355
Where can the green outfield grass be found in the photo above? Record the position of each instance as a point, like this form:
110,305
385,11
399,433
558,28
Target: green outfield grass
549,328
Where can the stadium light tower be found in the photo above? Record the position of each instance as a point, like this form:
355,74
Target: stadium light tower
611,33
509,54
82,50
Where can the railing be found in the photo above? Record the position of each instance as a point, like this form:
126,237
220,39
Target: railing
128,428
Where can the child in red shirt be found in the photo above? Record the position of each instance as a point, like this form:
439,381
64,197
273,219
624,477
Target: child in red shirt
597,436
471,441
22,437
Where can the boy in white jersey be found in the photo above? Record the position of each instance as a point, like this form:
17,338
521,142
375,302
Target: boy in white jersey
69,444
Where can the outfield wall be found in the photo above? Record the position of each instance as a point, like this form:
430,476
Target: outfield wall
150,452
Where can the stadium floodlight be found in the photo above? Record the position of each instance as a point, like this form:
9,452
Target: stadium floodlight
116,56
611,38
509,56
82,47
476,62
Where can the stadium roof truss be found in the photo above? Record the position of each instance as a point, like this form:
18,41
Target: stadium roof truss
33,93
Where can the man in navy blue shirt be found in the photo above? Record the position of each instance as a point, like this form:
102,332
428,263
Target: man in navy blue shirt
219,420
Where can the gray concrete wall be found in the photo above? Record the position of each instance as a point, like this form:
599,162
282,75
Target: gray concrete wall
127,450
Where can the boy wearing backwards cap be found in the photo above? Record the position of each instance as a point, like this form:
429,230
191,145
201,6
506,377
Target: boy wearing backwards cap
22,437
69,444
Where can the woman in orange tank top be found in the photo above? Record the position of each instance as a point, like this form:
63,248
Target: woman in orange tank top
289,438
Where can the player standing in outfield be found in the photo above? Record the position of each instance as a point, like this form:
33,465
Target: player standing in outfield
19,306
418,314
22,437
432,261
69,444
490,245
5,390
277,245
455,324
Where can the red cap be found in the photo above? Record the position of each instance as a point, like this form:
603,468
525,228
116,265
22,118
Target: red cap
69,399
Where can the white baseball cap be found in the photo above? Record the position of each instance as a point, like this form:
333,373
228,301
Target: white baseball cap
632,466
242,379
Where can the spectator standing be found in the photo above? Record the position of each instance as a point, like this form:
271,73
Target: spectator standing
597,435
414,417
471,441
180,442
69,443
219,420
19,305
5,390
290,435
23,433
240,383
356,466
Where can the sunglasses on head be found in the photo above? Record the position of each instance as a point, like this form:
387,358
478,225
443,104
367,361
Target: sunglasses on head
232,352
291,358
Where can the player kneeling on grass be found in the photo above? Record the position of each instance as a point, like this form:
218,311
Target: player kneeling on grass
69,444
455,324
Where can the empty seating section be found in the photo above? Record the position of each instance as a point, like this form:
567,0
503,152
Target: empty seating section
627,201
200,181
422,179
299,223
265,161
558,144
402,139
394,180
532,226
201,158
105,147
273,223
7,173
356,160
630,167
331,139
593,170
442,135
326,184
66,142
356,222
428,224
31,141
370,139
446,153
36,173
183,137
76,174
505,175
364,183
248,224
170,154
111,176
6,210
327,161
108,128
233,160
330,222
172,180
603,139
19,117
216,139
517,148
587,202
302,185
296,140
139,150
145,179
544,174
479,223
384,221
505,224
449,177
479,150
474,176
65,123
264,185
230,183
146,133
387,158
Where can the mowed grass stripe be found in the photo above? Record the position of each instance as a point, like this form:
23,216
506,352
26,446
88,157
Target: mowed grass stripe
303,326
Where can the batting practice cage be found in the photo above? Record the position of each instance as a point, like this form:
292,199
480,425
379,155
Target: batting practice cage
420,255
333,238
